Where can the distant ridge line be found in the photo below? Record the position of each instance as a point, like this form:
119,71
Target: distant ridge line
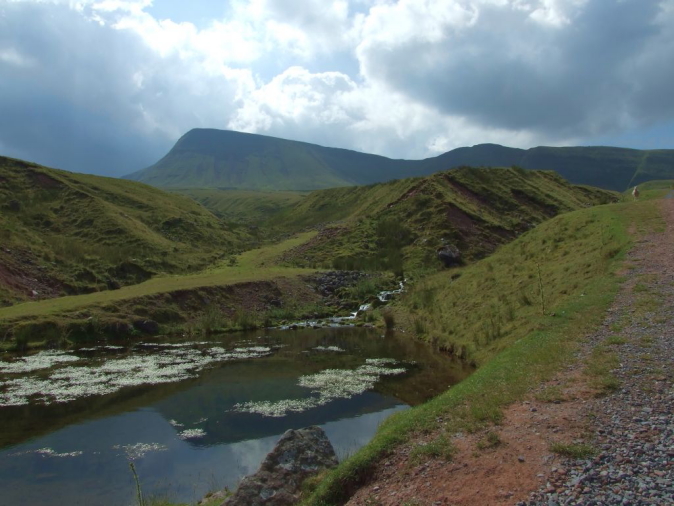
211,158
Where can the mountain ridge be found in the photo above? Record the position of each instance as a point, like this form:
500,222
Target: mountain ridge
211,158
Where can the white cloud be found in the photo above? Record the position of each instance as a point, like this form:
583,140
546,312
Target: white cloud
556,13
11,56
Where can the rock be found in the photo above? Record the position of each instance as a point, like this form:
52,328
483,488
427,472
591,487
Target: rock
298,455
449,255
209,499
113,284
14,205
146,326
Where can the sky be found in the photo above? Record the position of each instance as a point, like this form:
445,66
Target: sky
108,86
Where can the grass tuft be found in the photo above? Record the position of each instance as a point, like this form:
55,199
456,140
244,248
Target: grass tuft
574,450
490,440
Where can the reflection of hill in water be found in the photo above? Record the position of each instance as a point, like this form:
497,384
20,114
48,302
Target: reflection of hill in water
217,389
230,427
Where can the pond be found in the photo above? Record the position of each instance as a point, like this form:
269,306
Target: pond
196,416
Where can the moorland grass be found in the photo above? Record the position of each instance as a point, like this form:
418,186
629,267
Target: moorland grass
242,206
400,225
574,450
253,265
509,291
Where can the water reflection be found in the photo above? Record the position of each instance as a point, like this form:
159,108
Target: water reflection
107,429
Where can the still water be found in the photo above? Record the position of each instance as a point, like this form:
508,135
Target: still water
193,416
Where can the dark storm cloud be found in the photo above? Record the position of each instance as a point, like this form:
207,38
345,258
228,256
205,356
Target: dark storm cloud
65,101
84,96
606,66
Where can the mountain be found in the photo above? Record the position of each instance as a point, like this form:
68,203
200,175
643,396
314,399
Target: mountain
208,158
65,233
407,222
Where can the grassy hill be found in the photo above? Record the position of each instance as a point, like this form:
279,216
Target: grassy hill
404,223
208,158
66,233
242,206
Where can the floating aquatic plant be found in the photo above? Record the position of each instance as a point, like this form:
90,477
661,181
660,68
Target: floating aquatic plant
328,348
192,434
72,382
48,452
102,348
327,386
41,360
139,450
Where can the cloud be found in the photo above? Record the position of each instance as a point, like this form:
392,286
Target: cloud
562,68
106,87
99,98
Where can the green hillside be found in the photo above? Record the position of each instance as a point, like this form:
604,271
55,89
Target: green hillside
405,222
208,158
65,233
242,206
521,316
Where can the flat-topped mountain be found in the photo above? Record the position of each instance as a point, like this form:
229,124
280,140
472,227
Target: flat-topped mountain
209,158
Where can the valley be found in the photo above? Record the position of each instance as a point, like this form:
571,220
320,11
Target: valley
204,314
337,253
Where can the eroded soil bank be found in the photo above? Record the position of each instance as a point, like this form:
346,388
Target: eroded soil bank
200,311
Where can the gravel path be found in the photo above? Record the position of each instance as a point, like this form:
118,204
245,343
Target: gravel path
633,428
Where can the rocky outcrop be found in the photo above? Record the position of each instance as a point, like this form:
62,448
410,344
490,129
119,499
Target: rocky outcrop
449,255
329,283
298,455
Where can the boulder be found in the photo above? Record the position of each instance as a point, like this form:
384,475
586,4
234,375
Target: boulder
449,255
146,326
298,455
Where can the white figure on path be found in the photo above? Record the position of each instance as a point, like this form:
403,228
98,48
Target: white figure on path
635,193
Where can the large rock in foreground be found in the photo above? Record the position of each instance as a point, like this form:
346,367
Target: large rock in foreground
298,455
